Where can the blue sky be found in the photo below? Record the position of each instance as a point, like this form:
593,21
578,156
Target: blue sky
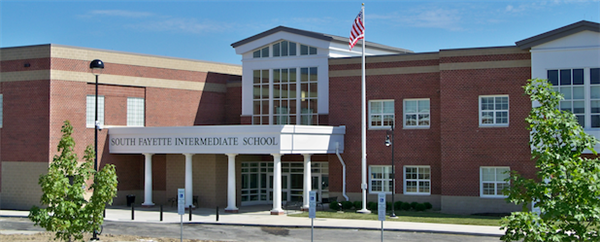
204,30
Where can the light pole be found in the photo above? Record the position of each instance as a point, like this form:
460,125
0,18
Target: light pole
390,142
96,66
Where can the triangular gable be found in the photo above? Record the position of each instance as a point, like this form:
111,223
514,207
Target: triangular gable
558,33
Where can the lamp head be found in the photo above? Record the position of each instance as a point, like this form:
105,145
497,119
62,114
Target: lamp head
388,142
97,66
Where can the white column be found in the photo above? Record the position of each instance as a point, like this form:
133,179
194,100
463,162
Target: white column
189,190
276,185
307,181
148,181
231,193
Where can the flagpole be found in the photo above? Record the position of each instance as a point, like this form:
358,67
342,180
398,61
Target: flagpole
364,122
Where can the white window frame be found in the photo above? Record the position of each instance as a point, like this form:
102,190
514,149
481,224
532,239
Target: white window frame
588,98
494,111
1,111
418,124
136,112
418,180
385,179
90,109
495,182
382,114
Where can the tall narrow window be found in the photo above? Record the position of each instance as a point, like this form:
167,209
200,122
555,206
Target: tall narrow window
284,96
1,111
381,113
416,113
308,95
91,108
260,97
493,110
492,181
595,97
135,111
570,83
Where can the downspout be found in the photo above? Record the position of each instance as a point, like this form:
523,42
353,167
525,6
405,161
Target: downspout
337,152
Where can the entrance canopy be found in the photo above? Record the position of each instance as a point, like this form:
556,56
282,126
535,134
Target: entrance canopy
223,139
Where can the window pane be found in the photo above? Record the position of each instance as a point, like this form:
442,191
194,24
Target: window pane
388,107
502,117
423,106
595,92
488,174
488,189
276,49
578,92
566,91
276,76
424,119
553,77
256,54
284,48
501,174
135,112
501,103
578,107
303,50
577,76
595,106
313,74
565,77
410,106
487,117
487,103
595,76
595,121
565,106
265,52
292,49
376,120
411,119
376,107
313,51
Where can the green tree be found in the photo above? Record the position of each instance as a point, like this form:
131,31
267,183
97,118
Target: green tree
566,190
67,212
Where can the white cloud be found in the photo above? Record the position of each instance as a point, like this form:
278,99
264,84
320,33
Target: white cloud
449,19
181,25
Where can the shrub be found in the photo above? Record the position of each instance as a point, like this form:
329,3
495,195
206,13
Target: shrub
420,207
347,205
428,205
358,204
398,205
334,205
388,206
406,206
413,205
372,206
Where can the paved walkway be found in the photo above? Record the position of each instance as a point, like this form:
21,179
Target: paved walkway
260,216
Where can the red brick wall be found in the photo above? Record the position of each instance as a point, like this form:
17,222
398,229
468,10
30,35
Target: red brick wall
465,145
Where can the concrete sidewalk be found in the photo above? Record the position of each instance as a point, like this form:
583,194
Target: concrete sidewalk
260,216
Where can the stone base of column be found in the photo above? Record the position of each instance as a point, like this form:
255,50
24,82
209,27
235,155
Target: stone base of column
150,205
276,212
232,210
304,209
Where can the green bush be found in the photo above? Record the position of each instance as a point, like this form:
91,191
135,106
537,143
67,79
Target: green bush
372,206
388,206
420,207
347,205
428,205
397,205
406,206
334,205
358,204
413,205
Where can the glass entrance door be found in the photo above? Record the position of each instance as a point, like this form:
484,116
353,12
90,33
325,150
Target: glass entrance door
285,188
320,183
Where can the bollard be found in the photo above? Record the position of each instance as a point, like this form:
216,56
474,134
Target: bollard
217,213
104,213
190,212
132,211
161,213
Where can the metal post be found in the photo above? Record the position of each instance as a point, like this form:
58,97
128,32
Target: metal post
393,173
217,213
190,212
94,234
132,211
161,213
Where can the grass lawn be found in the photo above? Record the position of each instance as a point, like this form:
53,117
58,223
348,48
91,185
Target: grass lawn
411,216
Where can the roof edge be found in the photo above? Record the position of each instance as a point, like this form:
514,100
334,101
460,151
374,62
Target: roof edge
558,33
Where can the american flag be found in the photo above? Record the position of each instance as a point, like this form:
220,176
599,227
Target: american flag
358,30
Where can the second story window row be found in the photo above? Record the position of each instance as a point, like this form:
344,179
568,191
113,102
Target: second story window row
284,48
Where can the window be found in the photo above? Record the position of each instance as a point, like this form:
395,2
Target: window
91,108
135,111
381,113
308,95
595,97
262,53
284,96
260,97
380,179
284,48
493,110
492,181
1,111
570,83
307,50
416,113
417,180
